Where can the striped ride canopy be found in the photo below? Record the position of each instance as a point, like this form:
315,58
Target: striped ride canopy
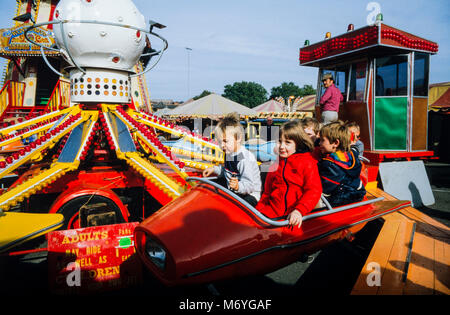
270,106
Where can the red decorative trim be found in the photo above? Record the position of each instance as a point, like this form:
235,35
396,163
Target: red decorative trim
365,37
354,40
404,40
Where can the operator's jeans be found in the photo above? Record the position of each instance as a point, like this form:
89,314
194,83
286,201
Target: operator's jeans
329,116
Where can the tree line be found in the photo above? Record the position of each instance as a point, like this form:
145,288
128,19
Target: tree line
252,94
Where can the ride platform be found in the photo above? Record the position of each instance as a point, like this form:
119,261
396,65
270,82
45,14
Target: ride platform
410,256
377,157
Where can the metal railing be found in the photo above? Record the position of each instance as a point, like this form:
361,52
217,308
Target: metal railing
267,220
11,94
60,96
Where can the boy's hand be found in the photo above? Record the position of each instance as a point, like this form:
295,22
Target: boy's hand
234,183
295,218
208,171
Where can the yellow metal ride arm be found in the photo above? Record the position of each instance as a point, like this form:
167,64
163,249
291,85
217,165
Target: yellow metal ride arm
63,127
122,132
34,126
17,227
47,140
152,173
34,184
211,152
79,127
113,118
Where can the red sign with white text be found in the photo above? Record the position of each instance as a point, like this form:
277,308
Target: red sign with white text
93,259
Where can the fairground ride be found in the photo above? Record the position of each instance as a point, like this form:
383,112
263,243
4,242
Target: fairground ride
79,143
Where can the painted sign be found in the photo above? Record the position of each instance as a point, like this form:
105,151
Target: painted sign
93,259
13,40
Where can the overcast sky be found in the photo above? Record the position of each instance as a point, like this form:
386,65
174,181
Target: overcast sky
259,40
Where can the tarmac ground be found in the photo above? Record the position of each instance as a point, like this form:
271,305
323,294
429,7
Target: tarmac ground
439,176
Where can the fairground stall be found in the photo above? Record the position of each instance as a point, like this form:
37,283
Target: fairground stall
383,74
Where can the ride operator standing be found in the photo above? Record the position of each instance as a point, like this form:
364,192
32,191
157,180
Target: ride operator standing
330,100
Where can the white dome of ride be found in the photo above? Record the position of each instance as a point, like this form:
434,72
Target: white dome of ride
99,45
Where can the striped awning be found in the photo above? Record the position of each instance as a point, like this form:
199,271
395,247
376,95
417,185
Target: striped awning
305,103
270,107
439,96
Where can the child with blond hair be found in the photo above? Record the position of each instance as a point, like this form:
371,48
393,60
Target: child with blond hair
240,168
339,167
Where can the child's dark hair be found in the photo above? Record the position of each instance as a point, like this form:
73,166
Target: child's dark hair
293,130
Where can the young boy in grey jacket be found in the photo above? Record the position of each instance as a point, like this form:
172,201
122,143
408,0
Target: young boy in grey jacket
240,168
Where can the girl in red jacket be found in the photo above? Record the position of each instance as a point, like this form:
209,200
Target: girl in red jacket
293,185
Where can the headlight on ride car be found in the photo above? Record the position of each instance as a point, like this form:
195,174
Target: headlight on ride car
156,253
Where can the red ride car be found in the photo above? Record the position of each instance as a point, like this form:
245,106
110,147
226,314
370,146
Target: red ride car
209,234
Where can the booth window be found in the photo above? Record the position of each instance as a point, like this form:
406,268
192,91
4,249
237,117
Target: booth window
340,79
421,70
357,81
392,76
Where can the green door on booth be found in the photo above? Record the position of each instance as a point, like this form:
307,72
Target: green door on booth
391,123
391,103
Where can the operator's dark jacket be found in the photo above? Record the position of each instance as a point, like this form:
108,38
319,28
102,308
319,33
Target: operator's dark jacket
340,176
